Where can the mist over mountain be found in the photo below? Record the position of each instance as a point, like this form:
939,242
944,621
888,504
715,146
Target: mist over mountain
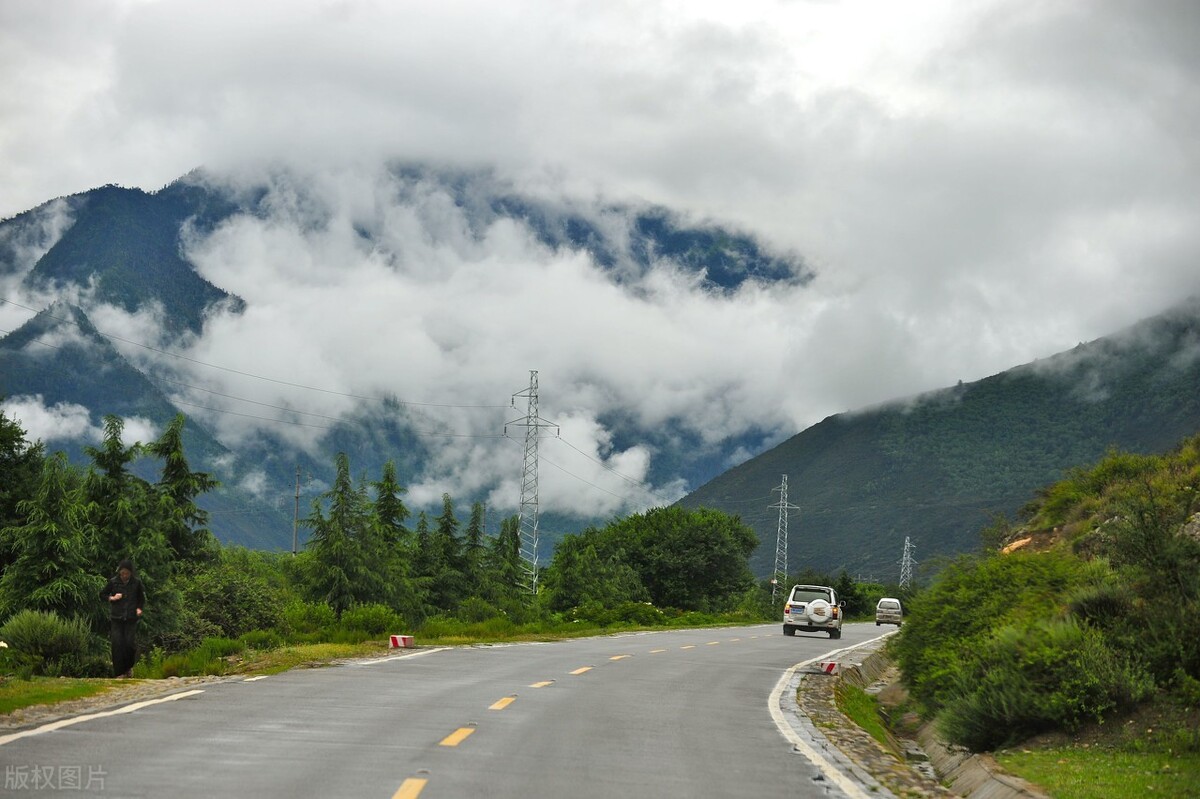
390,315
938,467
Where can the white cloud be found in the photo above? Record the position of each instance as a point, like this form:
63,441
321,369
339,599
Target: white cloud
977,185
63,421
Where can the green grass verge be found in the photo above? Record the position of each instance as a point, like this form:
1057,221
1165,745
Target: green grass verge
862,708
1093,773
16,694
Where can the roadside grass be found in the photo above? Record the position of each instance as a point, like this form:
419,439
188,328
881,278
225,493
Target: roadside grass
17,694
227,657
863,709
1152,751
1076,773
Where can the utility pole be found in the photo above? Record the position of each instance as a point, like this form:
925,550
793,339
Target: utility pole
906,564
296,516
527,517
781,538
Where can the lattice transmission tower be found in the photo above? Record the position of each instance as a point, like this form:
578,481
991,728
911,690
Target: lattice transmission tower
781,538
527,516
906,564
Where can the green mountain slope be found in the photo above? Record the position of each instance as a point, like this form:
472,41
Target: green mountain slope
937,467
60,352
127,243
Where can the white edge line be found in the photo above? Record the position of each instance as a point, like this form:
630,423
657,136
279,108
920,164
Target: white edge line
832,772
373,661
58,725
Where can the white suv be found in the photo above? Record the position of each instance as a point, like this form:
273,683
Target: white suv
813,609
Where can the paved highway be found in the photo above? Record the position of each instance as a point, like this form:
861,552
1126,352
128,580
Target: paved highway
664,714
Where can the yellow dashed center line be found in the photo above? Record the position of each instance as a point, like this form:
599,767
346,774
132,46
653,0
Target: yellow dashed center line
656,651
457,737
503,703
620,657
542,684
410,789
712,643
581,671
734,639
689,646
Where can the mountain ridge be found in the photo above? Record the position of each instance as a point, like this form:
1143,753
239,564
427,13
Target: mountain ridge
938,467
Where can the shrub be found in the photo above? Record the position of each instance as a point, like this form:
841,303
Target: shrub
476,609
946,625
301,617
1026,679
372,619
42,643
262,639
218,647
232,600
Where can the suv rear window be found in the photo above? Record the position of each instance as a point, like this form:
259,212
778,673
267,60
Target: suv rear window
808,595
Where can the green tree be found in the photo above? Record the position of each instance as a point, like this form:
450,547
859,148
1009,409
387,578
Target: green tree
692,559
390,510
117,498
52,569
181,519
446,583
578,575
20,473
473,549
502,564
341,576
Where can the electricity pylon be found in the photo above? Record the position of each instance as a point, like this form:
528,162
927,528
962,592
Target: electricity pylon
906,564
781,539
527,516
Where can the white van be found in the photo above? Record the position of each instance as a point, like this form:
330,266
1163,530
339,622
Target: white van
888,611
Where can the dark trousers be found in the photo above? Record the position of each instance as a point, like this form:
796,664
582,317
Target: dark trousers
124,645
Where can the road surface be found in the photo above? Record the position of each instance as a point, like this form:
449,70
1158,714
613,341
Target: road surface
664,714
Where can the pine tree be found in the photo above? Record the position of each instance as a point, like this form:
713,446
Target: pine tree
474,552
181,519
390,510
20,472
52,569
340,574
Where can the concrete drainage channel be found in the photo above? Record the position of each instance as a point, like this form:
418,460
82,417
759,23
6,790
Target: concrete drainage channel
853,764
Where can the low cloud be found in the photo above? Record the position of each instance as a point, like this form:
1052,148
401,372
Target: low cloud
62,421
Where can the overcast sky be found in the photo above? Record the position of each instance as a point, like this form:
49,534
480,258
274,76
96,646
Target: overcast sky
976,185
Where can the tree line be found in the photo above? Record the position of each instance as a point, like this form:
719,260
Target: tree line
64,527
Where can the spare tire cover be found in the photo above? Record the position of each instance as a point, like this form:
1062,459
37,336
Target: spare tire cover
819,611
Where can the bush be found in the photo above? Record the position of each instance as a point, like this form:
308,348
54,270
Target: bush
371,619
946,625
42,643
475,609
231,600
300,618
262,639
1049,675
207,658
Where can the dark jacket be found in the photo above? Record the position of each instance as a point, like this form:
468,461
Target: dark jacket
133,596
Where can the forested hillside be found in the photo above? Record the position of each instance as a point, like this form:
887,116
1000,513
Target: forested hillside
113,247
938,467
1086,612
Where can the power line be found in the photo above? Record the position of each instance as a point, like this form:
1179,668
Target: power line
113,337
647,488
177,401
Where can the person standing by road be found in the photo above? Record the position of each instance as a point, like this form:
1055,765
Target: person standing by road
125,597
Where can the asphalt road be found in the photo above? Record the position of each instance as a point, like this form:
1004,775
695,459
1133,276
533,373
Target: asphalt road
665,714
